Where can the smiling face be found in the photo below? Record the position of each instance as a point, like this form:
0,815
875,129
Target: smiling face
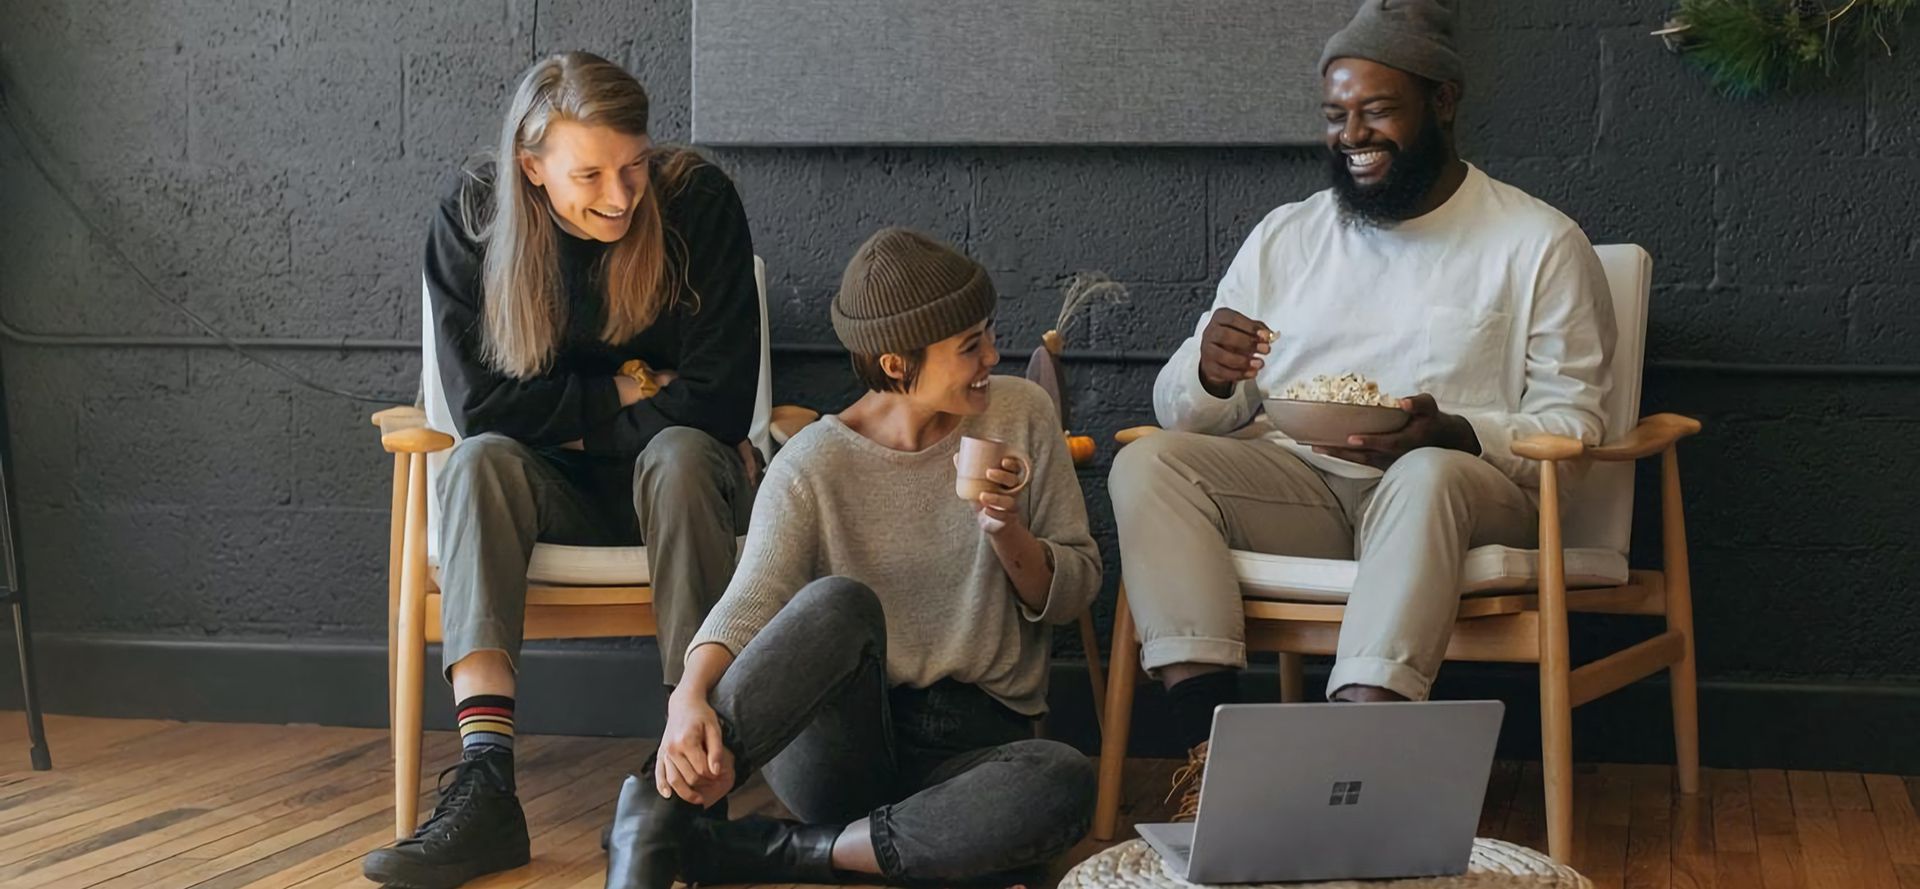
593,176
953,373
1389,137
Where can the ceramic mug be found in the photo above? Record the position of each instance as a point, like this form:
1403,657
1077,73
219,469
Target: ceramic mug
977,455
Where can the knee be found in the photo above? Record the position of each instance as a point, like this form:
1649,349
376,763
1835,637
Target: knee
488,467
484,454
842,607
1071,782
679,458
1142,465
1430,473
677,448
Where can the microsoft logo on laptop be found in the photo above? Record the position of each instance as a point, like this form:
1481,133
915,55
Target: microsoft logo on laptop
1345,793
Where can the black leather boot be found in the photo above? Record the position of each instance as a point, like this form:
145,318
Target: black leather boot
758,849
644,851
717,810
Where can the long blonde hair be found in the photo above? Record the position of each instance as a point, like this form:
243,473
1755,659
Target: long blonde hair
525,309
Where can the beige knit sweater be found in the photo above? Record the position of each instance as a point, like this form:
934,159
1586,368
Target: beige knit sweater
837,503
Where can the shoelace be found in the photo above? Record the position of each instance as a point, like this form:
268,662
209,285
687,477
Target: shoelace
1187,778
453,796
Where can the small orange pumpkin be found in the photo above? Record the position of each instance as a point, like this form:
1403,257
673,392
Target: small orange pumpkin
1081,448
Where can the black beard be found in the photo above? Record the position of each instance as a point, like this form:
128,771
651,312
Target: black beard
1397,197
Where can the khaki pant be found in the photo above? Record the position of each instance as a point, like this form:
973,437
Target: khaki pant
1183,500
687,496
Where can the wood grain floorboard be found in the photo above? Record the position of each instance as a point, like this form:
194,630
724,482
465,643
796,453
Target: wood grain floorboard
150,804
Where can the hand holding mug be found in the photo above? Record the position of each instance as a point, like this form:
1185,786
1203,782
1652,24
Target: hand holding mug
988,476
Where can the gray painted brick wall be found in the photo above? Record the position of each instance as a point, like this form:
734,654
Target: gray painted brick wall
272,164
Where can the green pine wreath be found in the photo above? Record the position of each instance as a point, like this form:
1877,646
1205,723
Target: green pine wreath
1755,47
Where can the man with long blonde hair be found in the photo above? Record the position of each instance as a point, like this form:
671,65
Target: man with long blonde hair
596,324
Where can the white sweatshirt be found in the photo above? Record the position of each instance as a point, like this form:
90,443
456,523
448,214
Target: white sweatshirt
1494,303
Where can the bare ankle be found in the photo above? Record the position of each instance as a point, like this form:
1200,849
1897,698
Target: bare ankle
1366,694
853,851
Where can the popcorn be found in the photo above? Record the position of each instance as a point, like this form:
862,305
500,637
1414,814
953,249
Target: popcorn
1347,388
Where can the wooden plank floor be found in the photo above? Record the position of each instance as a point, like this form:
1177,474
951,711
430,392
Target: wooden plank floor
168,805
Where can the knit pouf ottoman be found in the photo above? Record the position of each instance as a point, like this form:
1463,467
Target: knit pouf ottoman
1495,865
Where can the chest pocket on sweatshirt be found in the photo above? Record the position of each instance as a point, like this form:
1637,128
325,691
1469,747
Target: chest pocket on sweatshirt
1466,357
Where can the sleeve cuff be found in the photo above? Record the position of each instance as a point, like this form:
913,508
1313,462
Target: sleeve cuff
1496,443
730,645
732,634
1198,390
1061,603
1185,404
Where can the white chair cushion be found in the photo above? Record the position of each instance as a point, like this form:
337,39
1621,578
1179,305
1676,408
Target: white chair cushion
1488,569
588,565
563,565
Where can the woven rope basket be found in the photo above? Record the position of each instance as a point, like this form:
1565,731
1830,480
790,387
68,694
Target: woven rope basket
1495,865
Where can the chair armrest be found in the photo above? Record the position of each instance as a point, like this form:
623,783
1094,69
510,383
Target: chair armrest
1132,434
1549,447
1654,435
403,430
787,421
399,417
415,440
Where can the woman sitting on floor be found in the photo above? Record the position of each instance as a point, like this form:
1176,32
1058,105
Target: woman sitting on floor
881,653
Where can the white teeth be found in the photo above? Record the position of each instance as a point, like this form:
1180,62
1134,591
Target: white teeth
1365,158
608,215
980,385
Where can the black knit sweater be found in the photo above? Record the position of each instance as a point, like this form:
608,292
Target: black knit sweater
711,342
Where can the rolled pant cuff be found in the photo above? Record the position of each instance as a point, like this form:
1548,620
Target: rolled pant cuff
1166,651
1391,675
486,636
880,834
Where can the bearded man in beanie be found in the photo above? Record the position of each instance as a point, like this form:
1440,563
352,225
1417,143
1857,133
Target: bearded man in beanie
881,653
1484,305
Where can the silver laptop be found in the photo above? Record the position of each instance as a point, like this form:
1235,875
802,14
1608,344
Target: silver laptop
1297,792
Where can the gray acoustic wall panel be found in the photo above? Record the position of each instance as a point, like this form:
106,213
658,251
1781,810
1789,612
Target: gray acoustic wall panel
1009,72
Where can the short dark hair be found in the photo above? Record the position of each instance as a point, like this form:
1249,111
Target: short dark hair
871,375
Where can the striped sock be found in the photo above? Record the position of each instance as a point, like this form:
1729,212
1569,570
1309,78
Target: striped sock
485,721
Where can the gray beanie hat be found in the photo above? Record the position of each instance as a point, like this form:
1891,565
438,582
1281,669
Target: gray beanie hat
1415,36
904,290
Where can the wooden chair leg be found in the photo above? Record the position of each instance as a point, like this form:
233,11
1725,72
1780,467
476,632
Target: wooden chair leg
1681,678
411,656
1090,643
1556,700
1556,756
396,546
1123,662
1293,678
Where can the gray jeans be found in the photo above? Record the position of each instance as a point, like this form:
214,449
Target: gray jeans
955,784
686,495
1182,501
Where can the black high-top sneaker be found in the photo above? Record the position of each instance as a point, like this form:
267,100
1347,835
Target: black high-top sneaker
477,828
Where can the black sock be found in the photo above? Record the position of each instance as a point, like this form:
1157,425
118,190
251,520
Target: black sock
1193,702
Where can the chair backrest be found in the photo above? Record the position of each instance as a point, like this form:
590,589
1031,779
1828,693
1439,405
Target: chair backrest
440,414
1599,511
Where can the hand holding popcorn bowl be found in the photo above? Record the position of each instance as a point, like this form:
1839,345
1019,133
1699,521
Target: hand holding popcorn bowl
1326,410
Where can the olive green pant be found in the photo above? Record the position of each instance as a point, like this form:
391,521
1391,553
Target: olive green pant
686,496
